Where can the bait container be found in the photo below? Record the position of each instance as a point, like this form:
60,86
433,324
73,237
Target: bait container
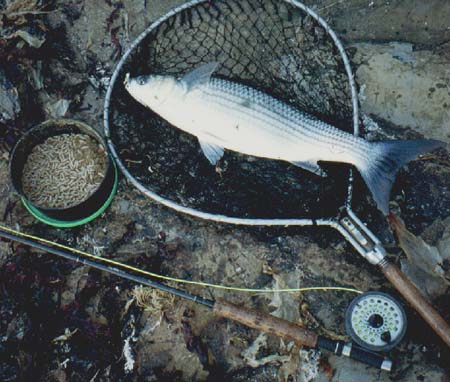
72,215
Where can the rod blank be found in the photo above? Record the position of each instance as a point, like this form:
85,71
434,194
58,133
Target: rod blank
106,268
221,308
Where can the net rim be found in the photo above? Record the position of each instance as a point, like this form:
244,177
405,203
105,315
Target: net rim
206,215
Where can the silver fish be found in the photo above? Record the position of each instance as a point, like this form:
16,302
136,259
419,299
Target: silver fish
228,115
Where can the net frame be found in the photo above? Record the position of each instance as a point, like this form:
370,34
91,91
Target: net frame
220,218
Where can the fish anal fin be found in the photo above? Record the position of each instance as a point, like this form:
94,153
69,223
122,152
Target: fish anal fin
311,166
212,151
200,76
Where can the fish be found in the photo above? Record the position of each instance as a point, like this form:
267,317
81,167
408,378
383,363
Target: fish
229,115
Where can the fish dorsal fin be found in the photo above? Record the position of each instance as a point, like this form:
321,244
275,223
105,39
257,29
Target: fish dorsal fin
312,166
200,76
212,151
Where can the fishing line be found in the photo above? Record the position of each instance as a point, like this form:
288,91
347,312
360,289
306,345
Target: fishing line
221,308
169,278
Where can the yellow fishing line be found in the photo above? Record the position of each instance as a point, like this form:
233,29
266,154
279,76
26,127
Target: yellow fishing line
169,278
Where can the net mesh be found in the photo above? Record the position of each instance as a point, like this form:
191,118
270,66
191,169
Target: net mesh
269,45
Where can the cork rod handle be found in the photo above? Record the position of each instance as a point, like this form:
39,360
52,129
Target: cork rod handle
265,323
418,301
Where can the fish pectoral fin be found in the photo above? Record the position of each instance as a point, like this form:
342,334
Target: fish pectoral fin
200,76
311,166
212,151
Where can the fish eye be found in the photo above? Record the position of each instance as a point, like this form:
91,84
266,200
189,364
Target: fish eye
141,81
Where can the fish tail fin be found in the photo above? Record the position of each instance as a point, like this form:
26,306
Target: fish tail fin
388,157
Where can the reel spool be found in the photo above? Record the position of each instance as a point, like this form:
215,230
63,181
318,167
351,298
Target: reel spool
376,321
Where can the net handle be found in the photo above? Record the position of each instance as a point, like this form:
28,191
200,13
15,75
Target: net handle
206,215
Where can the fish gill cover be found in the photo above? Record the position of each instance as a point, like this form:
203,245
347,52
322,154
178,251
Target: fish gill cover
269,45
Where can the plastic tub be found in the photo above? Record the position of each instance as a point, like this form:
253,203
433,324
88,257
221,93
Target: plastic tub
74,215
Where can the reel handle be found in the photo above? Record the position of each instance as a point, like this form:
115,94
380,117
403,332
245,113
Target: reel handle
292,332
417,300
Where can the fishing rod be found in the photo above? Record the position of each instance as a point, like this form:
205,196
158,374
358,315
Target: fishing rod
224,309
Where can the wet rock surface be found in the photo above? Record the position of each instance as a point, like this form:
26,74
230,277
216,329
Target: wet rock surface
396,84
64,322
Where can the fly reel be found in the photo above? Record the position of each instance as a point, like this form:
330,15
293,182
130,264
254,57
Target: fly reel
376,321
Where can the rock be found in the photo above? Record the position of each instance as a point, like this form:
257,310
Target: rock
405,86
58,109
419,22
185,341
424,265
164,347
414,368
5,252
75,282
9,99
34,40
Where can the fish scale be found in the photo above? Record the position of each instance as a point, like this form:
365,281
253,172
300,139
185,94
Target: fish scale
259,102
285,119
224,114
